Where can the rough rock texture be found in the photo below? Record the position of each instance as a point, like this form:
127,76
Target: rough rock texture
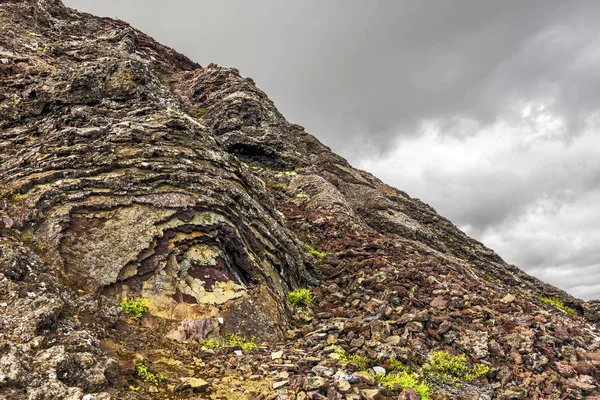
127,170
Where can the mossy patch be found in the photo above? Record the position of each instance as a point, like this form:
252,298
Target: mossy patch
142,372
453,370
319,255
212,344
234,340
279,187
10,195
135,308
302,297
558,304
359,361
403,380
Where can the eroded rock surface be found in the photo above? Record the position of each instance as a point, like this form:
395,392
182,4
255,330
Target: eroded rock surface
127,170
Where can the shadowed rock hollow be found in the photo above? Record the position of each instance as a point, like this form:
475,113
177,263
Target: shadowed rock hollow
127,170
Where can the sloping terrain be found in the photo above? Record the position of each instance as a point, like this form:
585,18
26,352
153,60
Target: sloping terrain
129,172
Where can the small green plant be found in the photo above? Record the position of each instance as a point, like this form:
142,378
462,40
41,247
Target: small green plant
405,379
134,388
135,307
491,277
558,304
31,33
211,344
361,362
234,340
16,100
147,376
453,370
301,297
315,253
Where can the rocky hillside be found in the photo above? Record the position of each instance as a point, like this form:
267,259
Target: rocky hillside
159,220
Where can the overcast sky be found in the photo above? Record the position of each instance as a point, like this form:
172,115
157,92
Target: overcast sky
487,110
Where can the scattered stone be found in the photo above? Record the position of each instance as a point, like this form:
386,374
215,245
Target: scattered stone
313,383
370,394
280,384
509,298
195,384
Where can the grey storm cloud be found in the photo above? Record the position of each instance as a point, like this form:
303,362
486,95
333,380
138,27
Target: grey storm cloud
488,110
345,68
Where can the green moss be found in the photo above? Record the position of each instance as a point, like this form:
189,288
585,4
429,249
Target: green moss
234,340
395,365
453,370
405,379
558,304
211,343
147,376
315,253
361,362
135,307
300,297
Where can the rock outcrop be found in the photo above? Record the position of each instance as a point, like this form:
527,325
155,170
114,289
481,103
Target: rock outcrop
129,171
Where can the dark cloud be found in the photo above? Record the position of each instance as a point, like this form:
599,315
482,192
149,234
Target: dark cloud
486,110
346,68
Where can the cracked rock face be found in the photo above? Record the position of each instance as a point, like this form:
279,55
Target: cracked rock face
127,170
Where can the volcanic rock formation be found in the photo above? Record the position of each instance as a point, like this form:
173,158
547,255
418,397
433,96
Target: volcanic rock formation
129,171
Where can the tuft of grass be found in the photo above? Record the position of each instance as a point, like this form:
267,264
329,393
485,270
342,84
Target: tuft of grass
453,370
135,307
405,379
300,297
147,376
319,255
558,304
234,340
361,362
